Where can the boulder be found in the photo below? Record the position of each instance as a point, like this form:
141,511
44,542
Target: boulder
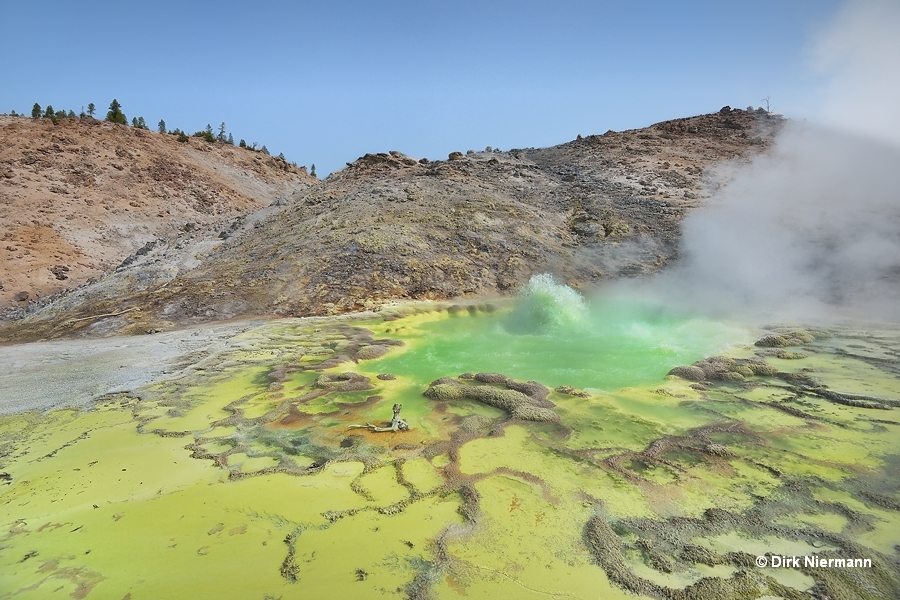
691,373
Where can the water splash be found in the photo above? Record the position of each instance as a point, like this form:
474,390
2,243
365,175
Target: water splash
547,306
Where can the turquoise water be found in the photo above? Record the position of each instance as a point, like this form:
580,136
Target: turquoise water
557,337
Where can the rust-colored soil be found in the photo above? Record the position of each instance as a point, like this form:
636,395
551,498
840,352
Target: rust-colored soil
78,197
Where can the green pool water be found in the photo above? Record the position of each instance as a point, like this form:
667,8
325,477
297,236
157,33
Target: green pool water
243,480
555,336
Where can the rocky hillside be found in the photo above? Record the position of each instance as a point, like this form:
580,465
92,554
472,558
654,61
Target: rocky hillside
80,196
392,227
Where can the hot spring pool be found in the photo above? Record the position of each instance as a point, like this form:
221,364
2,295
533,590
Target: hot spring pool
556,337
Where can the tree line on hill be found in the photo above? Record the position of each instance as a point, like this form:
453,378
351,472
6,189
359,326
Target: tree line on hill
115,115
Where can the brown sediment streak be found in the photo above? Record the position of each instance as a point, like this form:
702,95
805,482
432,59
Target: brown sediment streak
289,568
52,453
546,490
697,440
293,416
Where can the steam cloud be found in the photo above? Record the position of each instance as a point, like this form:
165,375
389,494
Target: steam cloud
811,229
861,52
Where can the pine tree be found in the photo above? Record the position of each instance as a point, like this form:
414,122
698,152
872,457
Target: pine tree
91,108
221,137
312,170
230,141
206,134
115,114
162,126
242,144
36,111
49,113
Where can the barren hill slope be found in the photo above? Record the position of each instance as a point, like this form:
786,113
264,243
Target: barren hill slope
78,197
393,227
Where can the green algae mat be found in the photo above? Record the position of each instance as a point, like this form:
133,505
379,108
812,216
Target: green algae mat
549,455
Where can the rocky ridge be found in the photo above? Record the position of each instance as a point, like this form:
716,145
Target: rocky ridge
393,227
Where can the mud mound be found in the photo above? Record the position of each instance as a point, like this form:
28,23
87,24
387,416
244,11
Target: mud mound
518,404
343,382
721,368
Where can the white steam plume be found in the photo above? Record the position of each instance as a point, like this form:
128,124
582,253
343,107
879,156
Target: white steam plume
860,50
811,229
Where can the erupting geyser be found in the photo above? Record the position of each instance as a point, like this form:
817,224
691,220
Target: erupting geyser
546,305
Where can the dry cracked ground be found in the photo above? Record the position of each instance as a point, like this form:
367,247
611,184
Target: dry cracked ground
157,234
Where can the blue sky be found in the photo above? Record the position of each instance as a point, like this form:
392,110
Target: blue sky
325,82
